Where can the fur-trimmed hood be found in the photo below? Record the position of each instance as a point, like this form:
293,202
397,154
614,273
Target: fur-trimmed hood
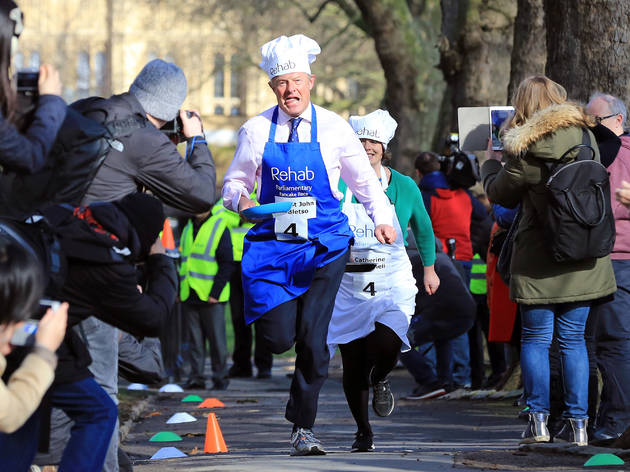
543,123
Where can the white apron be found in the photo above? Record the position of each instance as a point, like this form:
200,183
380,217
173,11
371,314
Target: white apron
386,294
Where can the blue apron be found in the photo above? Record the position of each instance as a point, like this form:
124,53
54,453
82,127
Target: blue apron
281,254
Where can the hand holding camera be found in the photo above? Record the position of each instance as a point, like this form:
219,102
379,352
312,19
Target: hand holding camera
52,327
49,82
191,123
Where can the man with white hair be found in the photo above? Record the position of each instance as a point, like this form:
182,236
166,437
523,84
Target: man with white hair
293,262
609,323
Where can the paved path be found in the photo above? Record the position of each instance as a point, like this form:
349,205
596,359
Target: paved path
417,436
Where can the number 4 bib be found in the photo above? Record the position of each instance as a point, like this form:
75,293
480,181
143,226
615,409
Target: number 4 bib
294,224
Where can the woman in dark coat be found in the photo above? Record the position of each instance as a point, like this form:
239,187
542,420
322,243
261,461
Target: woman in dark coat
552,295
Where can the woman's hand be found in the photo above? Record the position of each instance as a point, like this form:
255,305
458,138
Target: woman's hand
385,234
49,81
623,194
492,154
431,280
52,328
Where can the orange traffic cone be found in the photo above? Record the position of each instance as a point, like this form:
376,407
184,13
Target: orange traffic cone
214,437
167,235
211,403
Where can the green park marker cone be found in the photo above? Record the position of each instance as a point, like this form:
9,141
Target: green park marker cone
165,436
603,459
192,398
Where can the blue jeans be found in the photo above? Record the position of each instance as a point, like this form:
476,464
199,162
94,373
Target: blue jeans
538,322
94,415
430,363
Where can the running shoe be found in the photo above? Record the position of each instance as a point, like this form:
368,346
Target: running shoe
364,442
426,392
382,398
304,443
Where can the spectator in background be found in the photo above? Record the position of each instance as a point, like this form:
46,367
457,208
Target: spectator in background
609,323
206,268
553,296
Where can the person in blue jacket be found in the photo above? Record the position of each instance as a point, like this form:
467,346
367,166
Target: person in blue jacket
25,151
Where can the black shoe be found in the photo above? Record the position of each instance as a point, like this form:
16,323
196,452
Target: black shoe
536,430
220,384
573,431
382,397
364,442
195,384
264,374
426,392
237,372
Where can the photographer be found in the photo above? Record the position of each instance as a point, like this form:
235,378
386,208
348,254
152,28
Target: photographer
25,152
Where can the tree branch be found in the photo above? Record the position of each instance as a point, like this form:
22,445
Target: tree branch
313,18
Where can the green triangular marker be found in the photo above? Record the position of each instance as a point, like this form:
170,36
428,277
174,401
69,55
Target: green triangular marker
165,436
192,398
604,459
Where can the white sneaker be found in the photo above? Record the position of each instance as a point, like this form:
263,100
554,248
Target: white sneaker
304,443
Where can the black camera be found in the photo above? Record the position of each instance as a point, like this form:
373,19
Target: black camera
461,169
27,86
174,129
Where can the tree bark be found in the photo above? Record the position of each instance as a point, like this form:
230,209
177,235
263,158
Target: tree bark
588,46
529,53
398,47
475,52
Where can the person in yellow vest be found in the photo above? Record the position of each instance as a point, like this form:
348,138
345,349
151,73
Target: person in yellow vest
207,264
241,357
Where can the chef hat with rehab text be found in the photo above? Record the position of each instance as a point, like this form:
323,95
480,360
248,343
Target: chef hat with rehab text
378,126
285,55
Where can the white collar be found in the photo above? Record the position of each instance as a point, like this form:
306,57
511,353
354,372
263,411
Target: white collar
307,115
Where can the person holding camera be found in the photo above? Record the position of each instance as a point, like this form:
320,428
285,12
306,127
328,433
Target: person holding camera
373,309
21,282
25,146
554,296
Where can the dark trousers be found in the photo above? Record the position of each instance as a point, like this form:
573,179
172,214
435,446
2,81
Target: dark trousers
496,351
94,415
609,331
263,358
206,322
420,365
304,321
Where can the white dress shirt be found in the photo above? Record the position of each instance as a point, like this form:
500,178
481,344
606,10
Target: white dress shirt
342,152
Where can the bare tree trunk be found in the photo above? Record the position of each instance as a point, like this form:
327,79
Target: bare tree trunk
398,47
475,56
109,55
588,46
529,53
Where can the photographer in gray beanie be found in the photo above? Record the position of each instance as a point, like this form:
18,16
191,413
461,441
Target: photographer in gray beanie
145,159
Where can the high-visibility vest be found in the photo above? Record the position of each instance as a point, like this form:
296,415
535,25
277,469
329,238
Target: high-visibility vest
238,229
478,276
198,259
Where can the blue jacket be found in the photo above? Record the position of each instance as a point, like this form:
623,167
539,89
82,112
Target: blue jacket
26,153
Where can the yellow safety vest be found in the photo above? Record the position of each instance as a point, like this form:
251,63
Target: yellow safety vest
237,229
478,284
198,259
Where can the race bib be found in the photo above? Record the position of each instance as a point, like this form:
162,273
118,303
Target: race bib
294,224
373,283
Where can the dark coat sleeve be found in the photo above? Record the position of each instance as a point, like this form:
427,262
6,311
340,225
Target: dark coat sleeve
27,152
225,259
109,292
186,184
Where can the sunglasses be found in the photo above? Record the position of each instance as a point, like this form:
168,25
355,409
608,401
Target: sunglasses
599,119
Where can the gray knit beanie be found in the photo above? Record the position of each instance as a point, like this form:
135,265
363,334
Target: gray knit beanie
160,87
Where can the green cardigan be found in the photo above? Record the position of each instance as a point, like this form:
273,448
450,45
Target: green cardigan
407,200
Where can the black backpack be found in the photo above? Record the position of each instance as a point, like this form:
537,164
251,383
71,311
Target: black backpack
579,222
83,142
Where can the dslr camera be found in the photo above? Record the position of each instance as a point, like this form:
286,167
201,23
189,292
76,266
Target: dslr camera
461,169
174,129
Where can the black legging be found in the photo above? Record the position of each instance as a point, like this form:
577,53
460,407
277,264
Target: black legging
380,349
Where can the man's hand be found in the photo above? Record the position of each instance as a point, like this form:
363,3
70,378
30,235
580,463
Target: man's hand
431,280
157,247
212,301
385,234
623,194
52,328
192,124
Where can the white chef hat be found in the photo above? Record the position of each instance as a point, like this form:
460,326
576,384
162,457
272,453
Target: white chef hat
378,126
285,55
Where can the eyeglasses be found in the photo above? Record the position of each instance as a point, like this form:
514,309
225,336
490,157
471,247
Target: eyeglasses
599,119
